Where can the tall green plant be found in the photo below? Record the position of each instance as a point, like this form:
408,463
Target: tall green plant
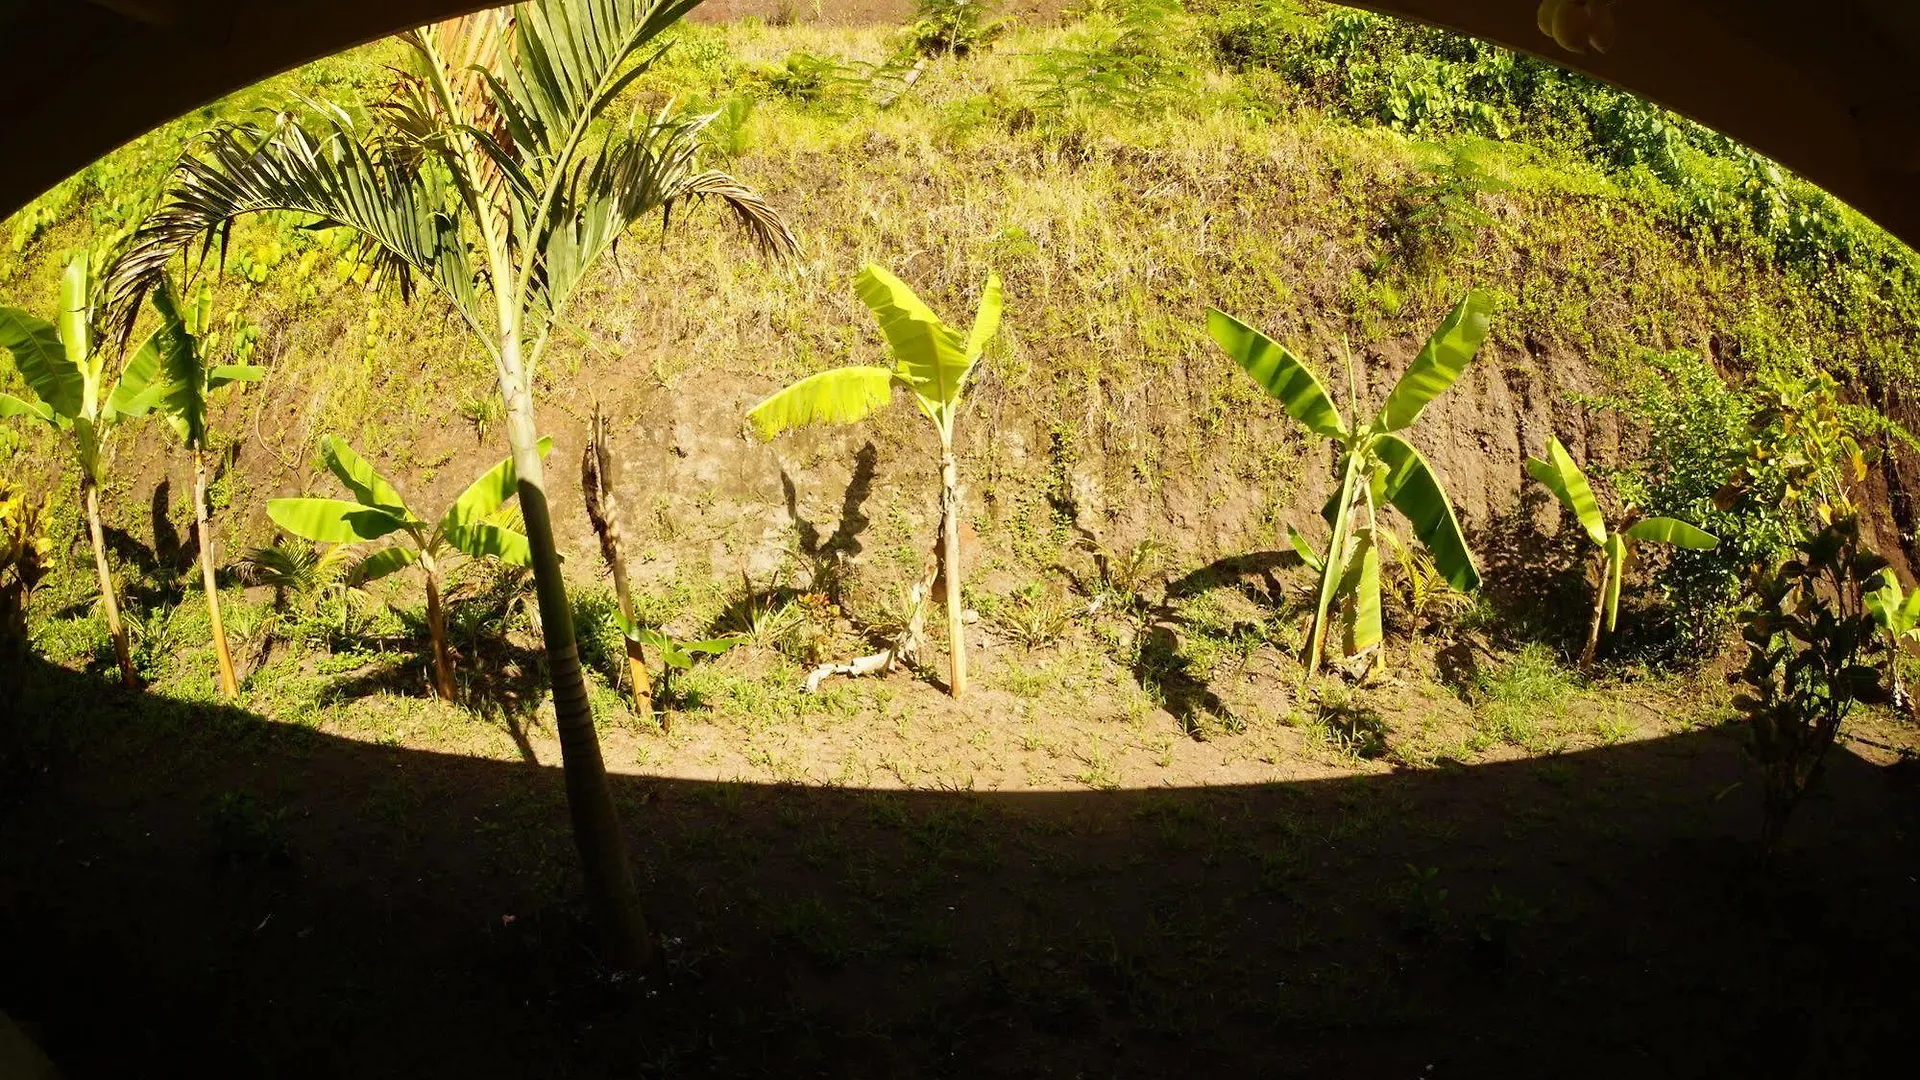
185,382
933,361
1560,475
378,511
65,368
1378,467
494,171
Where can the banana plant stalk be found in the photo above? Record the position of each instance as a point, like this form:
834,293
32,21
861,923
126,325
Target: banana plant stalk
65,370
931,360
599,484
378,511
1378,468
1559,474
176,365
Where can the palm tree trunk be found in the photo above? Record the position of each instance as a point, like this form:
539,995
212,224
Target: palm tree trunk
229,685
1593,626
437,630
596,824
107,601
950,557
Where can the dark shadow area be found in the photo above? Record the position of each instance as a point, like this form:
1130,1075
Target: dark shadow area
1533,579
826,557
192,890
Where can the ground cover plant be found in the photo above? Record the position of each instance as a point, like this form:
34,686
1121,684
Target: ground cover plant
1153,836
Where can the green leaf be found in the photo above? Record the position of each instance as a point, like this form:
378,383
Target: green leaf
841,396
713,646
383,562
42,360
479,541
332,521
1415,491
1305,549
183,394
76,330
368,486
221,374
986,320
139,387
13,406
1279,373
1360,588
931,356
1446,355
488,493
1666,530
1616,548
1560,475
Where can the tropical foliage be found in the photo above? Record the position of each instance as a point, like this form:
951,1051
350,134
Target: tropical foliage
469,528
1378,468
934,362
1559,474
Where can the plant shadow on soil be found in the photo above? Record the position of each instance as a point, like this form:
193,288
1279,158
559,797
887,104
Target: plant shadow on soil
196,889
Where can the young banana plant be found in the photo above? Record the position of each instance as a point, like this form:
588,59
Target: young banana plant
1378,468
66,372
184,382
1898,613
931,360
378,511
1560,475
675,656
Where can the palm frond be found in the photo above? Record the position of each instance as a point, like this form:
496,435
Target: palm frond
335,176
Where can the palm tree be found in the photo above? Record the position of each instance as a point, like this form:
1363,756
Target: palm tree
491,172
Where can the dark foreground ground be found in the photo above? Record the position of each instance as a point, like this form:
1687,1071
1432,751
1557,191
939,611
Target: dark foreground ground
195,892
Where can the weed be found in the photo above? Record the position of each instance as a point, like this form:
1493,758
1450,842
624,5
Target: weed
1499,924
246,833
1422,904
1036,617
1513,703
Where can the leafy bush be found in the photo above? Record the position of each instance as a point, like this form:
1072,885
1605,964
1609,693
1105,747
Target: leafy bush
1696,427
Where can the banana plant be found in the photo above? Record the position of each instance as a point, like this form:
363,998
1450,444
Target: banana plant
65,370
1569,484
378,511
933,361
675,656
1378,468
1898,613
184,383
